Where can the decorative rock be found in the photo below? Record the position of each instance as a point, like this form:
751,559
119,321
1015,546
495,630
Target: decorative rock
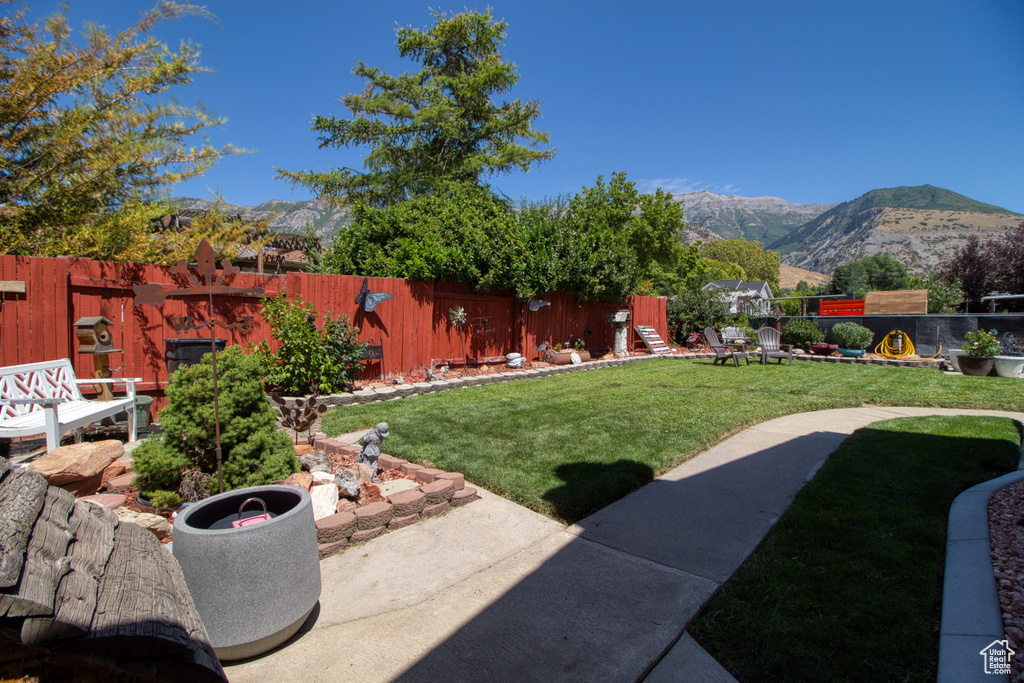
120,482
457,480
408,503
348,484
390,488
160,527
363,472
335,527
317,461
374,515
389,462
68,464
346,506
434,510
322,478
325,550
466,495
111,501
400,522
367,534
438,491
304,448
301,479
369,494
325,501
427,475
115,469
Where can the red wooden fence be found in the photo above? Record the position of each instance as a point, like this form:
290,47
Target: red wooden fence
413,327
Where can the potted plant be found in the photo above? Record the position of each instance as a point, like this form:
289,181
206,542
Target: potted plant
853,339
980,349
1011,362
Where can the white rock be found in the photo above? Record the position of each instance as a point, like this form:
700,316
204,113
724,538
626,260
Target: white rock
322,478
325,501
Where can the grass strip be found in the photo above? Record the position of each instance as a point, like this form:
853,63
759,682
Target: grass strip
848,584
568,445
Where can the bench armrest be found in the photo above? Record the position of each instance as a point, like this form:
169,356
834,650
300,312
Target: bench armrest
109,380
31,401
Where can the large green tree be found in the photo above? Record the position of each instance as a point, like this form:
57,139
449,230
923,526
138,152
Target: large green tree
757,262
85,143
439,127
878,272
599,245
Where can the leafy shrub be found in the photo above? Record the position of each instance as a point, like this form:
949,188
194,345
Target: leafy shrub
254,452
693,310
850,335
802,333
164,499
981,343
308,360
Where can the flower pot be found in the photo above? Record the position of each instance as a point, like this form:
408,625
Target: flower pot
254,585
954,357
977,366
1009,366
851,353
822,349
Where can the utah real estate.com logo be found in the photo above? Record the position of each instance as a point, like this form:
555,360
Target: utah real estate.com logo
997,657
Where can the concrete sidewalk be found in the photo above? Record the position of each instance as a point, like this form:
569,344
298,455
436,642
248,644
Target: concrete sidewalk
493,591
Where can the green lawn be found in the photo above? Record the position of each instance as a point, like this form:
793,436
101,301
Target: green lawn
571,444
848,584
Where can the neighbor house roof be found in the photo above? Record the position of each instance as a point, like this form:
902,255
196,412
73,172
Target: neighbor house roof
758,286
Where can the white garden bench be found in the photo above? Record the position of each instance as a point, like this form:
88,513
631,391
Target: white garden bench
43,398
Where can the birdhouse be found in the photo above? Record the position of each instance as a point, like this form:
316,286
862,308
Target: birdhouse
620,317
94,338
94,335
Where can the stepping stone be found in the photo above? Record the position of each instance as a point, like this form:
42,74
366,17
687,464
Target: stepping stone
390,488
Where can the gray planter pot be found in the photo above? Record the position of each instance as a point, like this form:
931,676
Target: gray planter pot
253,586
977,366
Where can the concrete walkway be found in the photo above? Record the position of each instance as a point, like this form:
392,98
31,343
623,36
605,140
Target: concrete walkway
493,591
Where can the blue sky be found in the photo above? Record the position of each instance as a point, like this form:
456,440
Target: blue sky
809,101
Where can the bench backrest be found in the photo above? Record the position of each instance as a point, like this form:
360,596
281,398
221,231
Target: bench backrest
52,379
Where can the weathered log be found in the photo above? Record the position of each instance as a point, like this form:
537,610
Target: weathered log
75,602
46,561
145,617
21,499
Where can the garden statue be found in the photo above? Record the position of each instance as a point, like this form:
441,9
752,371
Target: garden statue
371,448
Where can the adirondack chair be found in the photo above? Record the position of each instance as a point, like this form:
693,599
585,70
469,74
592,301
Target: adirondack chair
723,352
769,338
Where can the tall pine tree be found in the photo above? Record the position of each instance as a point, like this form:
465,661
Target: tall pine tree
433,129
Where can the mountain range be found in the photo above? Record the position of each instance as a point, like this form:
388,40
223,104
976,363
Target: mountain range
919,226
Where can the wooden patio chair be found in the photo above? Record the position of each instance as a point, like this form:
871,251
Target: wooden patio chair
770,339
723,352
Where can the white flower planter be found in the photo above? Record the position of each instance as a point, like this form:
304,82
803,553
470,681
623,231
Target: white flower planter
953,355
1009,366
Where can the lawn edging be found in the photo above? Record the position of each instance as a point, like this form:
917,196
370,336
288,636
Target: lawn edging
971,616
397,391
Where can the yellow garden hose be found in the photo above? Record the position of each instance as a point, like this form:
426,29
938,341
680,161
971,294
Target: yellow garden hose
896,344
